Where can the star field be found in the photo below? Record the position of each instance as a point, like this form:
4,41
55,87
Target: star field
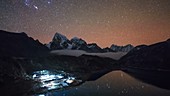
105,22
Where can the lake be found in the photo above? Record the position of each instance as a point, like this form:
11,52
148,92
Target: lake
115,83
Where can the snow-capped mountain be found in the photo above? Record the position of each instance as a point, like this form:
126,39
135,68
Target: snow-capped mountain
94,47
60,41
125,48
77,43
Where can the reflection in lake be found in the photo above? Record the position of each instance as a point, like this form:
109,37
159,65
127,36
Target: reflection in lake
54,80
115,83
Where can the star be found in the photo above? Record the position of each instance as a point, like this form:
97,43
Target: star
35,7
109,21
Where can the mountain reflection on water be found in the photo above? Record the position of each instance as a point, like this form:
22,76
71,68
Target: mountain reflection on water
115,83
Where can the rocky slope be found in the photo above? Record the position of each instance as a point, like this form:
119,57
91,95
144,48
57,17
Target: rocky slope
156,57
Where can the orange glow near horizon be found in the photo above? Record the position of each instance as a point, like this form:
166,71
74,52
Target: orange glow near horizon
136,35
104,22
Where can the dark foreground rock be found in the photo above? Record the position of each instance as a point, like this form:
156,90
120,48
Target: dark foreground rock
16,71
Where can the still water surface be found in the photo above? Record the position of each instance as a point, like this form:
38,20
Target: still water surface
115,83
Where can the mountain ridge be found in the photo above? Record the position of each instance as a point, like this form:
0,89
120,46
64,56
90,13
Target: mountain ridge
20,45
60,41
155,56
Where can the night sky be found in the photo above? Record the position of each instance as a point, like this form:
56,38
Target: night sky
104,22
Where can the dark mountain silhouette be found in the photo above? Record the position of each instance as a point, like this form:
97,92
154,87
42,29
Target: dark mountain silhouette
20,45
156,56
107,49
149,64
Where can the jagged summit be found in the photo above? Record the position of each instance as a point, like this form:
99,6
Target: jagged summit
125,48
60,41
78,40
60,37
75,38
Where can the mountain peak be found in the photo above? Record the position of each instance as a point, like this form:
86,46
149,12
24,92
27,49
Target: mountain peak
168,40
125,48
60,37
61,42
129,45
75,38
78,41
